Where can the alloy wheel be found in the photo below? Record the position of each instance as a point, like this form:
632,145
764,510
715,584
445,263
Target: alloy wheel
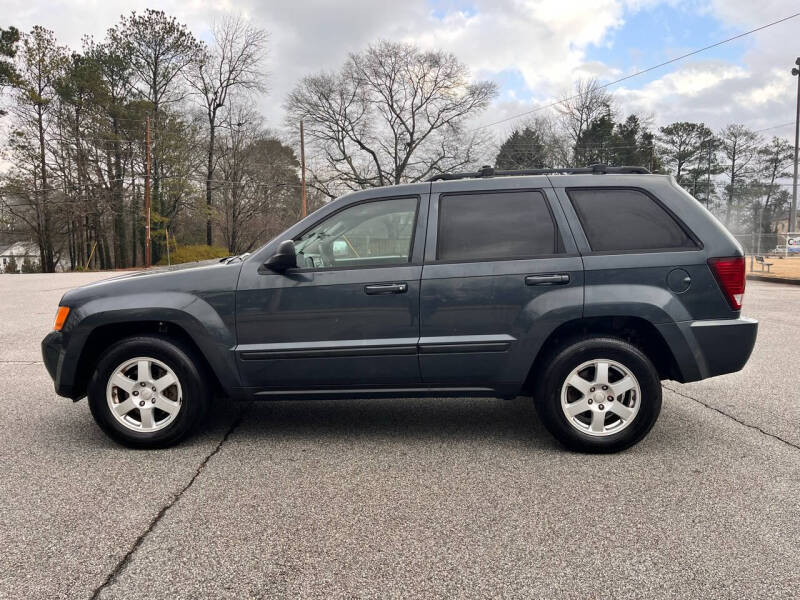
600,397
144,394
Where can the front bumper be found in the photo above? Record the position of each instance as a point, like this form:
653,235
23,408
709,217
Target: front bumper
708,348
54,354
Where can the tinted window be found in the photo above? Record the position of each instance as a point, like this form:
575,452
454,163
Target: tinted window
373,233
495,225
626,220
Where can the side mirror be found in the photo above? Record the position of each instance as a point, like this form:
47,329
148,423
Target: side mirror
285,258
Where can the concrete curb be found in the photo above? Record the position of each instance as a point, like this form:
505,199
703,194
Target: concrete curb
773,279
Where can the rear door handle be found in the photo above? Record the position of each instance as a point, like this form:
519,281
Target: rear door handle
548,279
378,289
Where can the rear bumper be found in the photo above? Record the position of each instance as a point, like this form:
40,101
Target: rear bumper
708,348
54,354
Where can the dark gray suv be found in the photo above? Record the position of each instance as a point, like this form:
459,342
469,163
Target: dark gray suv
582,288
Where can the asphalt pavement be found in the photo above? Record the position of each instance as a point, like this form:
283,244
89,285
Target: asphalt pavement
401,498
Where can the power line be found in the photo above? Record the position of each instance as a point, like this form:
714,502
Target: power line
774,127
641,72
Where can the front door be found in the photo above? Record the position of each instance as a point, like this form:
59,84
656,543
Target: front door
501,272
348,316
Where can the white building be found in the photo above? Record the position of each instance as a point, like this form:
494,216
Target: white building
19,251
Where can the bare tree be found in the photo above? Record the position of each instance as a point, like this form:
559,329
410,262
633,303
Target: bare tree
233,63
588,102
260,186
740,146
774,159
393,113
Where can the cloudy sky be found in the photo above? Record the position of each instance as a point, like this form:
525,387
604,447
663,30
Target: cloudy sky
533,49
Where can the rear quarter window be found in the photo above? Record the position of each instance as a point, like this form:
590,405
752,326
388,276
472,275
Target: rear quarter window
627,220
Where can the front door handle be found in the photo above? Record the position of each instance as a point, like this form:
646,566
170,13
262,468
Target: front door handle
379,289
548,279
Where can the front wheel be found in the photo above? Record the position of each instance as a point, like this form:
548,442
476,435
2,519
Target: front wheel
600,394
146,392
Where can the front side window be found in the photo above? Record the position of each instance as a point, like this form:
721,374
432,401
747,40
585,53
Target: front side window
373,233
495,226
626,220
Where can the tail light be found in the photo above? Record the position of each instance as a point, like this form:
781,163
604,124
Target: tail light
730,274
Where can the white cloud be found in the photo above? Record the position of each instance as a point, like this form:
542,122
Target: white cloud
540,39
757,90
545,41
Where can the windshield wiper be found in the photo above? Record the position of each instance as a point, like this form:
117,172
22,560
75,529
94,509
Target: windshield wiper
229,259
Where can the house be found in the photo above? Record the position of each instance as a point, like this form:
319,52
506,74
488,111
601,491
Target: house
19,251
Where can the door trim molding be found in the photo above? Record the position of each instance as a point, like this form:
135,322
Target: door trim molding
465,343
328,349
390,347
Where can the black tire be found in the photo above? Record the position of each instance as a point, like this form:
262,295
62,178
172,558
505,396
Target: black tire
571,356
195,391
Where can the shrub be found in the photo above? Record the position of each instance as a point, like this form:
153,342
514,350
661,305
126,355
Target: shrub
186,254
28,266
11,266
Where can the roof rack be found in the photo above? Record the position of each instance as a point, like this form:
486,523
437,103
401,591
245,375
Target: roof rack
487,171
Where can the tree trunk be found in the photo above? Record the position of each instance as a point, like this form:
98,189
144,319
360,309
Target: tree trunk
209,177
156,207
134,213
730,192
72,245
45,243
87,234
105,262
120,244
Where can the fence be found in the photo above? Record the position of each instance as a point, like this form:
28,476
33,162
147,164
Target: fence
770,244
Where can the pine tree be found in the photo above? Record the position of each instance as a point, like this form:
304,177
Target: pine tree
8,50
524,149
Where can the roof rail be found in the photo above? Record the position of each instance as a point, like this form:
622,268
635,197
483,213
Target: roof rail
487,171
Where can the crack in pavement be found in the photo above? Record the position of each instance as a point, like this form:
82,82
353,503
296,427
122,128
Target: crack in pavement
125,560
21,362
722,412
120,567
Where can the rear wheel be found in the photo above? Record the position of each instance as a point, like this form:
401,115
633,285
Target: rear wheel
600,394
146,392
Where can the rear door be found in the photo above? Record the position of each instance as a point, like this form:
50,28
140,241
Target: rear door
501,272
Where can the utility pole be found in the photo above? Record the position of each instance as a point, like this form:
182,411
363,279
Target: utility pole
303,205
793,211
708,177
147,192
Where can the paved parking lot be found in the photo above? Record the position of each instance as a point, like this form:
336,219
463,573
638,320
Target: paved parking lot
433,498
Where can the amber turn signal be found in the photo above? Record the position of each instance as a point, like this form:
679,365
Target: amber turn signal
61,317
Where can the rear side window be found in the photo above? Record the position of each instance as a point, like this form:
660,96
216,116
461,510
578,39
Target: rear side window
495,225
625,219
